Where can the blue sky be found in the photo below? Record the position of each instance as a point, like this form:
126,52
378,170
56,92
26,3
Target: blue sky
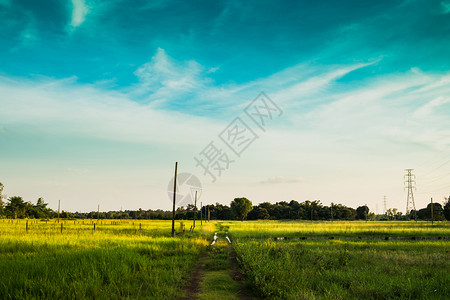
99,98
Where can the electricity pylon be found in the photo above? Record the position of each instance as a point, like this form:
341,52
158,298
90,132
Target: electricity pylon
410,181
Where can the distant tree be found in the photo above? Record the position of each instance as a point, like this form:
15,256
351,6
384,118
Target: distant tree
241,207
65,214
40,210
16,208
342,212
425,213
362,212
447,209
372,216
258,213
222,212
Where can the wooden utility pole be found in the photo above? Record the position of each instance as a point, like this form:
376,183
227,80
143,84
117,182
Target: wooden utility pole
201,214
174,198
331,211
195,209
432,216
59,206
209,219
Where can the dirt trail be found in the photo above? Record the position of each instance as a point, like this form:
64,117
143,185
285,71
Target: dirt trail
193,287
199,284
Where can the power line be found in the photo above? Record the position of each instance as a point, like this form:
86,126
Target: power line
433,161
435,169
435,178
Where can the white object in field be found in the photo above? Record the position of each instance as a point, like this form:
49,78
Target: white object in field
228,239
215,238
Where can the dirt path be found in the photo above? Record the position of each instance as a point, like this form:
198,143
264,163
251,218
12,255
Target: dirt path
217,275
193,287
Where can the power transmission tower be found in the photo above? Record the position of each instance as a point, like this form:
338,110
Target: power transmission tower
410,181
384,205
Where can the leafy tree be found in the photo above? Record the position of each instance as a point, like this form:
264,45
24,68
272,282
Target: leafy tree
258,213
241,207
40,210
222,212
362,212
425,213
447,209
65,214
16,208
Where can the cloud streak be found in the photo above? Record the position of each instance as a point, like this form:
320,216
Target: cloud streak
79,12
283,179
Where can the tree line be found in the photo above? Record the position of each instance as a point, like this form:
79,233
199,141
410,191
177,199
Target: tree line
239,209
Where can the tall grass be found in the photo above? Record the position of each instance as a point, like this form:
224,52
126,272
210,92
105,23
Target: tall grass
343,269
117,260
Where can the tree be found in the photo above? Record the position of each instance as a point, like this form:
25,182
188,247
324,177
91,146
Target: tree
40,210
16,208
241,207
362,212
425,213
258,213
447,209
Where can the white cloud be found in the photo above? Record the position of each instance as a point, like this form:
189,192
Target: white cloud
429,108
79,12
283,179
332,131
66,108
164,79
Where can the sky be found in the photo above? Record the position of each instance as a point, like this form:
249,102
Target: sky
99,99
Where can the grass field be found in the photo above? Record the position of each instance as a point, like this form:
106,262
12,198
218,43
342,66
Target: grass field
116,261
139,260
361,265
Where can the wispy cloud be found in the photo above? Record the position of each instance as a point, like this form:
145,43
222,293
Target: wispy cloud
282,179
79,12
163,76
329,126
445,7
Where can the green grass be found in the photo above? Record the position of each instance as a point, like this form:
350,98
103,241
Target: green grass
343,269
139,260
217,282
115,261
270,229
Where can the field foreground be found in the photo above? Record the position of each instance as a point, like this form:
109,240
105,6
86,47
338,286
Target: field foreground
274,259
